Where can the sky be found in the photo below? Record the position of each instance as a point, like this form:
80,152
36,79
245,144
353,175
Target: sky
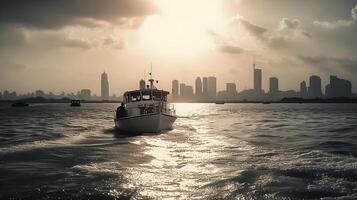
65,45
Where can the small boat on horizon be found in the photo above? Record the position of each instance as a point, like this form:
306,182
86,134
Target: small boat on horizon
20,104
75,103
145,110
266,102
220,102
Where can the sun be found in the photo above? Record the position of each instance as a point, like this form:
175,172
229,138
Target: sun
182,26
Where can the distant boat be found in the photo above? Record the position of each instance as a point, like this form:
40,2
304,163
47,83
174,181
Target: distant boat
219,102
75,103
266,102
145,110
20,104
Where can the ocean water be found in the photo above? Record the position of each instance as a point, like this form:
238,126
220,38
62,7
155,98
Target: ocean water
230,151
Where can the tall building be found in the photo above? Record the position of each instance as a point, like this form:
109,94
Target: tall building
212,87
303,90
186,92
182,90
273,88
231,91
257,79
104,87
314,90
175,89
273,85
198,87
338,88
205,87
85,94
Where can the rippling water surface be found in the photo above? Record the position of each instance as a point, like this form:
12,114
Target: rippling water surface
230,151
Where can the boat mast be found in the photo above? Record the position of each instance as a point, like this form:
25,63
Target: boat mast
151,80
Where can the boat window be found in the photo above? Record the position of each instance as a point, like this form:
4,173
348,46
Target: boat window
157,96
146,95
135,96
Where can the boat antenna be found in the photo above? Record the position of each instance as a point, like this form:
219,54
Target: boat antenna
150,71
151,80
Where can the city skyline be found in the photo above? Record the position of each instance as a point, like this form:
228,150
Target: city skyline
336,88
205,89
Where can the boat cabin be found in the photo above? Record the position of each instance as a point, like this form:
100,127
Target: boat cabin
145,95
146,101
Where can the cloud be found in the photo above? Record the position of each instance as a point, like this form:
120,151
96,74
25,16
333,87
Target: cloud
8,65
289,24
12,36
338,23
117,44
252,28
230,49
348,64
56,14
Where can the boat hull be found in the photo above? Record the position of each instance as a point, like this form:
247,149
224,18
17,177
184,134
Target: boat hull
150,123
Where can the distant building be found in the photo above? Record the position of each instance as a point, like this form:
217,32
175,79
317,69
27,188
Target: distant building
231,91
303,90
186,92
205,87
212,87
189,92
338,88
175,89
198,87
104,87
85,94
40,93
257,79
273,88
314,90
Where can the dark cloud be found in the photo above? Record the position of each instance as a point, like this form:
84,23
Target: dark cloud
339,23
348,64
53,14
231,49
306,34
254,29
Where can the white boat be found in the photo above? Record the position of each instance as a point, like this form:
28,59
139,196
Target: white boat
146,110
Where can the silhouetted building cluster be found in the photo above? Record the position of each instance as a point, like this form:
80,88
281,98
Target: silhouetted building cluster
206,90
83,94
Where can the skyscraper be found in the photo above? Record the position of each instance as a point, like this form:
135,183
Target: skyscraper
257,79
205,87
182,90
231,91
104,87
273,87
175,89
314,90
198,87
303,90
212,87
338,88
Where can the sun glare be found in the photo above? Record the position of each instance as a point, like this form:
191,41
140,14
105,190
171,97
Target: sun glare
182,26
